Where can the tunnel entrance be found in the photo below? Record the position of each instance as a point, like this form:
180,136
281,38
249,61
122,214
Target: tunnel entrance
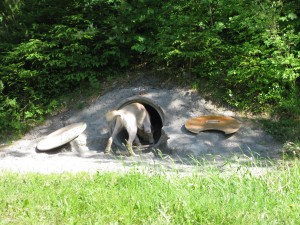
157,122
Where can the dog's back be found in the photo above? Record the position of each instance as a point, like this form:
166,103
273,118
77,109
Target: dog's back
134,113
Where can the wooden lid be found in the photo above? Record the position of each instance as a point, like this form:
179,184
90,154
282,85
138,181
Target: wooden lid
226,124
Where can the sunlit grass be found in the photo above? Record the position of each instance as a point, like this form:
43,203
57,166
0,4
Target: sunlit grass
152,197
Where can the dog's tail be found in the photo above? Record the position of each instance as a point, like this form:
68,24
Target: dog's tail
111,115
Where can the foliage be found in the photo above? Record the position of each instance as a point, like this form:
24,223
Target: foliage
249,50
152,197
284,130
268,62
291,149
60,46
245,49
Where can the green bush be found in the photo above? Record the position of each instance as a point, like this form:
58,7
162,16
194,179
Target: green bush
249,50
61,44
244,48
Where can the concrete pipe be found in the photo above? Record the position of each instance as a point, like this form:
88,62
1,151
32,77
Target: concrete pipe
157,117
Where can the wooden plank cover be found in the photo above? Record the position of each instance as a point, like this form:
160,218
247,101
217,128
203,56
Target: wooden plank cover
226,124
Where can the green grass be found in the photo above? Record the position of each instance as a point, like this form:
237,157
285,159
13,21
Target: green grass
209,197
283,130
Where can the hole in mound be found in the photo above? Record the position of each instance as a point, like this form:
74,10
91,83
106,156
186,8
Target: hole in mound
156,118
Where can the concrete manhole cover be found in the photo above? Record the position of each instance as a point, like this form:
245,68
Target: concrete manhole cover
61,136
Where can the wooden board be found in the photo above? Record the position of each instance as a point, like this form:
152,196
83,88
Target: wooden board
61,136
226,124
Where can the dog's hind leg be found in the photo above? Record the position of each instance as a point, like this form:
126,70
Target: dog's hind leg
132,136
116,130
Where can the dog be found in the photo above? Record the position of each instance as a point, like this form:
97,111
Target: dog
136,120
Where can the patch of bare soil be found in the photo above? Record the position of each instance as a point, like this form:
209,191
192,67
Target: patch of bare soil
179,149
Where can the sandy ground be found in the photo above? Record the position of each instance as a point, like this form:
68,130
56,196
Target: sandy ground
85,153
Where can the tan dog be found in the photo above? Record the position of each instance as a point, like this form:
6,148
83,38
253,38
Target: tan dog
134,118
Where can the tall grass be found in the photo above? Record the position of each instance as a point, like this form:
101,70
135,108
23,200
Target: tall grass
152,198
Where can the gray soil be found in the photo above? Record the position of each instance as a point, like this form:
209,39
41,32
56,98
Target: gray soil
177,147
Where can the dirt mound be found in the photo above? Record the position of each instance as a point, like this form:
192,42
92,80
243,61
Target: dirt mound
85,153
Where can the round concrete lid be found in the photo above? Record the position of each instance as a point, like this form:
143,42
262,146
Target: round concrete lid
61,136
226,124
